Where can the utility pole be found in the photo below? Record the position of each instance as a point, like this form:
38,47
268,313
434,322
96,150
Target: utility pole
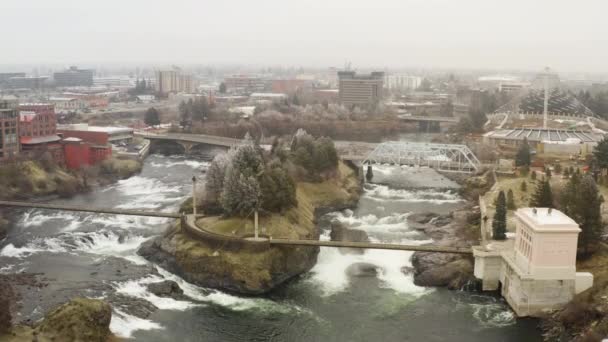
255,223
194,196
546,104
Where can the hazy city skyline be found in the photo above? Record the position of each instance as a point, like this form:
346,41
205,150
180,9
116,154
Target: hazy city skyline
431,34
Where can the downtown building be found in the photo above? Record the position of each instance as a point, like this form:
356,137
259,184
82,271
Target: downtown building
9,128
174,81
360,90
38,131
246,84
74,77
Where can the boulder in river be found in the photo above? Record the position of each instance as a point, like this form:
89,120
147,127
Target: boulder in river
454,274
131,305
166,288
339,232
362,269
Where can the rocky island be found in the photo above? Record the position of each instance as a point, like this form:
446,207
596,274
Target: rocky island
291,189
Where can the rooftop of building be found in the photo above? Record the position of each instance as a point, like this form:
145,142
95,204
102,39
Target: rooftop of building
39,140
374,75
540,134
546,219
268,95
86,127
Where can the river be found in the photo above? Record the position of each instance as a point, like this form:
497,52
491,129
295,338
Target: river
95,256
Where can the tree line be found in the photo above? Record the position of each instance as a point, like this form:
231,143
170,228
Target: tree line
247,178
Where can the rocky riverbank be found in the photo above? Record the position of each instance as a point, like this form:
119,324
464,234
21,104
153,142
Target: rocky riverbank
249,270
460,228
80,319
33,180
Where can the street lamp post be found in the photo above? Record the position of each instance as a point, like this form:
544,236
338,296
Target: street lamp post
194,196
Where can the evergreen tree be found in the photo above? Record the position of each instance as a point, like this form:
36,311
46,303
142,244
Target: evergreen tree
510,200
222,88
214,177
152,117
499,222
533,175
185,115
582,201
241,194
600,153
523,154
369,175
524,186
542,197
278,189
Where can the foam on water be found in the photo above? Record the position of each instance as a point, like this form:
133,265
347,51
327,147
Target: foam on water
123,324
383,193
195,164
101,243
50,245
106,243
139,185
138,288
235,303
331,269
128,222
37,218
332,265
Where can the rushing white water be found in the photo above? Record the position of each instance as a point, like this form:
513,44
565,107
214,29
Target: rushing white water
38,218
124,325
195,164
101,243
383,193
50,245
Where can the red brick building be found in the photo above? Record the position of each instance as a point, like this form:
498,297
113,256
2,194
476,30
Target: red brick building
38,131
89,145
79,153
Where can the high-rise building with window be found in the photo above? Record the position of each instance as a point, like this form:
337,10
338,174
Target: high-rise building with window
360,90
174,81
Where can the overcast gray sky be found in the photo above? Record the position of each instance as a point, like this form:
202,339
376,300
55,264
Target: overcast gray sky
526,34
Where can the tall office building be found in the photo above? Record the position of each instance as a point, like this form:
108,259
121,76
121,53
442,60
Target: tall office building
174,81
360,90
9,127
74,77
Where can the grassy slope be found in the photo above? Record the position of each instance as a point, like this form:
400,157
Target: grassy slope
33,180
298,221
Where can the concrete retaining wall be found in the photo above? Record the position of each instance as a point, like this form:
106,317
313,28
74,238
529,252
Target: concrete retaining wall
220,241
